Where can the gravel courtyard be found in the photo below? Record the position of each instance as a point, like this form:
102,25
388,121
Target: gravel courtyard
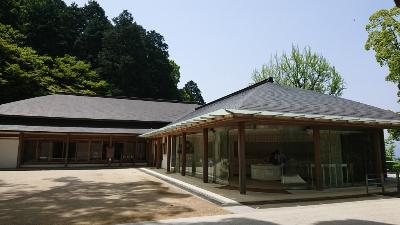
103,196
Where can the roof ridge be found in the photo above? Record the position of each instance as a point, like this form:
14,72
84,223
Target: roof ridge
235,93
124,97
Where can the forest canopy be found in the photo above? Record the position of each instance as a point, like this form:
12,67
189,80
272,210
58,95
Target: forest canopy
47,46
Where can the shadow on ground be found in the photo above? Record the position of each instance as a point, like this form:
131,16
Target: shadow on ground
86,202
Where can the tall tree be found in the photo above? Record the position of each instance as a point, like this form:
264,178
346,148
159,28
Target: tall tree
302,69
52,27
384,39
135,61
11,12
89,43
191,92
25,74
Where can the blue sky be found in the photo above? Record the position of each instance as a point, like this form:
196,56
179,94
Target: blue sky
219,43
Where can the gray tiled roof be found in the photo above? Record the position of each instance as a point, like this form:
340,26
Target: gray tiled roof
96,130
98,108
266,96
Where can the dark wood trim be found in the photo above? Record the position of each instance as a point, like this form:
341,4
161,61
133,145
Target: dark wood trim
2,135
183,170
169,145
205,155
317,159
242,158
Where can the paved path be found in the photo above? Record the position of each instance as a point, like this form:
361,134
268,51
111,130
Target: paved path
93,196
378,211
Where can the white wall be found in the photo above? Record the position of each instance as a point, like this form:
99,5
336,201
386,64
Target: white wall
164,161
8,152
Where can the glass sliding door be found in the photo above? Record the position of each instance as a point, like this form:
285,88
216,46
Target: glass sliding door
43,151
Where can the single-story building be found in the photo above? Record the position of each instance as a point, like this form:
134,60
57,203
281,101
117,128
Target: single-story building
283,136
76,130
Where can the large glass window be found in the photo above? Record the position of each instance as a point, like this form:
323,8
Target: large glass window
140,151
43,151
29,151
346,156
118,150
96,150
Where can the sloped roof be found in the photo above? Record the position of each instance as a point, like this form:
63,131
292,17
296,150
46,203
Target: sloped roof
271,100
54,129
98,108
272,97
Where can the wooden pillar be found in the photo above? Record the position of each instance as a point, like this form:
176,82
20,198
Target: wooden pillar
20,149
153,153
149,155
205,155
158,154
378,153
66,151
242,158
183,170
169,145
317,159
383,152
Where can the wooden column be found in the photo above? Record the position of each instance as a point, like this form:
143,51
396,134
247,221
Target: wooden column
169,143
158,154
153,152
378,153
20,149
317,159
66,151
383,151
205,155
242,158
149,150
183,170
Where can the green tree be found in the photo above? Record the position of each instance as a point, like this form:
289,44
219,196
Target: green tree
136,62
175,74
11,12
52,27
89,43
25,74
384,39
389,149
302,69
191,92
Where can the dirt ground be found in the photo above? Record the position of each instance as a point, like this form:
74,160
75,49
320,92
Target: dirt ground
103,196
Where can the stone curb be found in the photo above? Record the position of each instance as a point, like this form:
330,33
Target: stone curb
210,196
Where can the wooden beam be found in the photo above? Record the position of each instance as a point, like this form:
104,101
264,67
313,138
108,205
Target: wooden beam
183,170
242,158
317,159
205,155
169,142
274,121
